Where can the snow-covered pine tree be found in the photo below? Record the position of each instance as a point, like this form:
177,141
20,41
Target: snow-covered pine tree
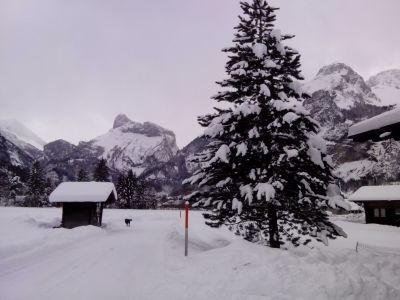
142,192
149,200
266,172
127,189
82,175
12,186
5,187
101,172
37,186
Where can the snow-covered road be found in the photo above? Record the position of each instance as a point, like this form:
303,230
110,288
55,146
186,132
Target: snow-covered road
146,261
116,262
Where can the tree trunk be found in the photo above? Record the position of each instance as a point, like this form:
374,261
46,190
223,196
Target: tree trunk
273,226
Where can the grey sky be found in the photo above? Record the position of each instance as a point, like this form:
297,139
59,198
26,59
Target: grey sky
68,67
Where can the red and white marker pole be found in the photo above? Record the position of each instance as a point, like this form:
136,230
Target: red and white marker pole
186,227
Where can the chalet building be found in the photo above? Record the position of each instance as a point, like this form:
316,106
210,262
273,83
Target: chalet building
381,203
83,202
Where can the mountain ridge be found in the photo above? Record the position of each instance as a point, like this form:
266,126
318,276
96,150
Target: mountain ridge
151,151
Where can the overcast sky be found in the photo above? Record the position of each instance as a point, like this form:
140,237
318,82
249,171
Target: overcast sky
68,67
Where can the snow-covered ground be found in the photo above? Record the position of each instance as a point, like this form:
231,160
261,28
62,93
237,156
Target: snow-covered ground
146,261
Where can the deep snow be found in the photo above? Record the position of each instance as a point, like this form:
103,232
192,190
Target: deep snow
146,261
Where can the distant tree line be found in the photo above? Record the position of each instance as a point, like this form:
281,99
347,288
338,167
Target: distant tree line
135,192
30,186
25,186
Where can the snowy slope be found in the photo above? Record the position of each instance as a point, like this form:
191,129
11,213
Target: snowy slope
16,144
354,170
19,134
168,176
146,261
386,85
130,144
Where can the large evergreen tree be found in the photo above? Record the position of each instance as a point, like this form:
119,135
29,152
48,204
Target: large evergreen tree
266,172
101,172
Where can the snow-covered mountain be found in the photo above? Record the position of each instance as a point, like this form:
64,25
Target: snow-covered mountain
127,146
339,98
386,85
148,149
63,160
13,155
19,134
19,146
346,86
17,154
132,145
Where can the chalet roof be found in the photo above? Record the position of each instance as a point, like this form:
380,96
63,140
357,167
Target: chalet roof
385,125
83,192
376,193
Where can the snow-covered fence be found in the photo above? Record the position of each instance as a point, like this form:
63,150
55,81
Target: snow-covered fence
376,249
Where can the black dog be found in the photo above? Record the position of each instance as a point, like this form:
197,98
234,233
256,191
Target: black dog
128,222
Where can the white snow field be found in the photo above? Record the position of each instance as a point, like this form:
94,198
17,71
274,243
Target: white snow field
146,261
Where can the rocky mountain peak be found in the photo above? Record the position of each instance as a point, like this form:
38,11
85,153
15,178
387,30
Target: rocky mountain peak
388,78
121,120
147,128
132,144
386,85
123,124
58,149
337,68
347,88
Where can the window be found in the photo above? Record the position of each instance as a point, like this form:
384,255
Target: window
380,212
376,212
397,211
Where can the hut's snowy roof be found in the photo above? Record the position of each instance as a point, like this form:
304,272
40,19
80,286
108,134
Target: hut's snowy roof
83,192
377,193
382,125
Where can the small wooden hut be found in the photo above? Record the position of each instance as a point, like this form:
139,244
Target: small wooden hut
83,202
381,203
